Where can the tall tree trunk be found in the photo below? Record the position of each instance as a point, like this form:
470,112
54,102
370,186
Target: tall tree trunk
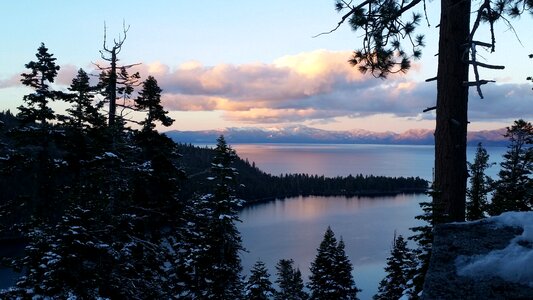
452,110
113,88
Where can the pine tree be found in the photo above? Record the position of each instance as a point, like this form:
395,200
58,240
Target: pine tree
149,100
400,264
514,188
330,278
42,73
343,274
99,222
84,113
480,185
84,124
423,236
290,283
258,286
212,241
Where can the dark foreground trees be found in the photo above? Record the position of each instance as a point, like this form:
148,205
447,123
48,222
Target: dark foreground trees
385,24
209,260
290,283
514,188
99,207
399,270
258,286
41,75
480,185
331,276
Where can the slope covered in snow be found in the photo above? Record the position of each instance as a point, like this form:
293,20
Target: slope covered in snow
513,263
486,259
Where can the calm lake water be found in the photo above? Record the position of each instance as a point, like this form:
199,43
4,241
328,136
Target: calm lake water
294,227
345,159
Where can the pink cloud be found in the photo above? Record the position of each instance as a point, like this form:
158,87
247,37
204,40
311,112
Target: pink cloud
10,82
319,86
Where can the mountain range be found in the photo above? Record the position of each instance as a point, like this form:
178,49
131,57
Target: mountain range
305,134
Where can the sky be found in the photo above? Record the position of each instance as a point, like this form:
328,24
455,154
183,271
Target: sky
238,63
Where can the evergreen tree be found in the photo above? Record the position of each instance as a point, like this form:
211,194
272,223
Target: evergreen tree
212,241
298,286
343,274
400,264
191,262
514,188
258,286
84,113
480,185
42,73
289,280
84,125
331,276
423,236
101,218
149,100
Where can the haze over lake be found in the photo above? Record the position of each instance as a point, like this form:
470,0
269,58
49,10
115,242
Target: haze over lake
294,227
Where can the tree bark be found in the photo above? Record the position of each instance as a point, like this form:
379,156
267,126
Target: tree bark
113,88
452,110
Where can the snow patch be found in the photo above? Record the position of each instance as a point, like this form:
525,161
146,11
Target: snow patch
110,155
510,263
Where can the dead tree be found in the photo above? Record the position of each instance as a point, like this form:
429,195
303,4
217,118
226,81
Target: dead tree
115,81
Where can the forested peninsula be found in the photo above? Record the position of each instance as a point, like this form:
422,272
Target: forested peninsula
256,185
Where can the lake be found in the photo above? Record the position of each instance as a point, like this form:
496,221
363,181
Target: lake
294,227
345,159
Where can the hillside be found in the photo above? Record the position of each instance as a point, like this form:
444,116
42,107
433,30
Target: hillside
305,134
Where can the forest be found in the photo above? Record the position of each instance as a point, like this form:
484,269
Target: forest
110,208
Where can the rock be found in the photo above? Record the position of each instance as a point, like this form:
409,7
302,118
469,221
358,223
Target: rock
473,238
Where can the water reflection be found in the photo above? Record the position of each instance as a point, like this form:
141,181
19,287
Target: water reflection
342,160
339,160
294,227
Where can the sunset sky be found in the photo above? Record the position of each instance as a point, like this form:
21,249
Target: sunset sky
248,63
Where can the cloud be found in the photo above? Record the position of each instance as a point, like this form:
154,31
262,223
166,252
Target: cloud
10,82
502,101
313,86
317,86
65,75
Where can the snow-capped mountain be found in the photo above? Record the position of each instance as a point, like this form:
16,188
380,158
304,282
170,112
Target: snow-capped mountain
305,134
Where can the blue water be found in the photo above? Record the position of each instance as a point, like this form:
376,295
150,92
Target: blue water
294,227
342,160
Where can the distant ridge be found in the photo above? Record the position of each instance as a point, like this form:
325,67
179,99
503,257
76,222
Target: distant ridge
305,134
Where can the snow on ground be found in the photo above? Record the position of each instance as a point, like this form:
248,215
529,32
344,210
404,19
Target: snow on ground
513,263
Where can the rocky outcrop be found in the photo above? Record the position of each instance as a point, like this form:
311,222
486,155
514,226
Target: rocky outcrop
469,239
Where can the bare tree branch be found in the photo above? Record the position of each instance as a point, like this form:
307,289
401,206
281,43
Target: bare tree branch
346,16
430,108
